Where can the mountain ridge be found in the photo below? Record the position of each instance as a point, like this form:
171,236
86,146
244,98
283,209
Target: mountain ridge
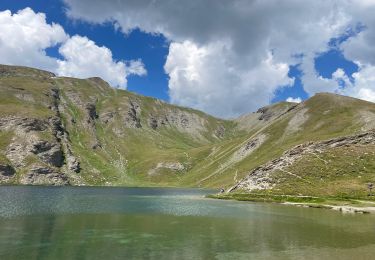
61,130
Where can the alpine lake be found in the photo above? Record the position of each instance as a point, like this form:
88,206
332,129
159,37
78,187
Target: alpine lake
171,223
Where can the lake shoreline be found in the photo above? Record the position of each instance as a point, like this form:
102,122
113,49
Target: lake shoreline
344,205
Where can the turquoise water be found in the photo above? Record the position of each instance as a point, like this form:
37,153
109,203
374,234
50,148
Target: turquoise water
158,223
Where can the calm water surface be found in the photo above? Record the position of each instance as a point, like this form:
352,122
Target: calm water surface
156,223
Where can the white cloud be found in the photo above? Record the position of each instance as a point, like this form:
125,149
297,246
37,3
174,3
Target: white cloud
362,87
225,66
365,83
220,86
294,100
83,59
25,36
219,59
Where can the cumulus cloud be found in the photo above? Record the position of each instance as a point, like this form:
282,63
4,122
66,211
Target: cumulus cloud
25,36
294,100
220,86
363,85
83,59
228,57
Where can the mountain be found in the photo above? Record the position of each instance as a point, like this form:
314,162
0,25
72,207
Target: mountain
59,130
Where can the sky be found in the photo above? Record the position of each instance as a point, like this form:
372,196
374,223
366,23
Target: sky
223,57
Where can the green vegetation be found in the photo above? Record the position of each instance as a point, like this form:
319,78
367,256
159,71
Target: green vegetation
133,138
343,171
310,201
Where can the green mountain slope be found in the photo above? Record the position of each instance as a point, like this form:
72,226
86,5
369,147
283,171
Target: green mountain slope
322,117
57,130
94,134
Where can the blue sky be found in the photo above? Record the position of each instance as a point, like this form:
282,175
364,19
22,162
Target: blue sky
180,62
151,49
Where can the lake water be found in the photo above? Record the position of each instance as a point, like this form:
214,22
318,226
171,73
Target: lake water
158,223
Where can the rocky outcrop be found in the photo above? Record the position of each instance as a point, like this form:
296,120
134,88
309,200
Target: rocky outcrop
183,121
133,119
154,123
6,173
25,125
61,135
261,177
220,131
107,117
265,113
250,146
173,166
42,175
48,152
264,116
25,135
91,111
72,162
46,139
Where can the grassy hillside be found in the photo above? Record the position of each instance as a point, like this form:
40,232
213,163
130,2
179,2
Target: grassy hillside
119,138
322,117
108,136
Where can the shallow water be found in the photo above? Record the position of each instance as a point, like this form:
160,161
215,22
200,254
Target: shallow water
158,223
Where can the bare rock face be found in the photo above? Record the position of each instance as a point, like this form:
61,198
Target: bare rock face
16,152
107,117
56,127
248,147
184,121
6,172
25,125
48,152
266,113
45,139
91,111
62,136
73,163
220,131
154,123
132,119
263,116
174,166
42,175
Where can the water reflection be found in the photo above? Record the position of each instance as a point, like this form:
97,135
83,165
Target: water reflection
101,223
